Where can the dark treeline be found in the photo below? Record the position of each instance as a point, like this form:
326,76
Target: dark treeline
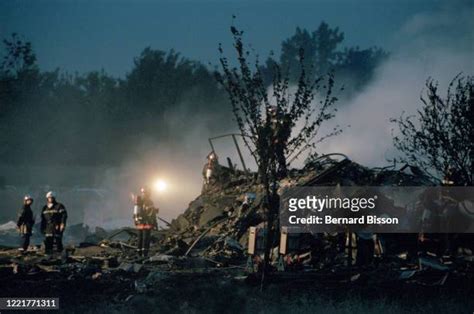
324,52
53,117
93,118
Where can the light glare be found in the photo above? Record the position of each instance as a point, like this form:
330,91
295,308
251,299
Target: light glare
160,185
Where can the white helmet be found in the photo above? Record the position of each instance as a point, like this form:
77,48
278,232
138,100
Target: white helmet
28,197
50,194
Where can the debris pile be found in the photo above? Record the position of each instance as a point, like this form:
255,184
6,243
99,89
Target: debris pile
213,234
217,221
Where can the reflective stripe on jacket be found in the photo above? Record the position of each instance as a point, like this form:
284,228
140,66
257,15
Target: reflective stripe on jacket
52,218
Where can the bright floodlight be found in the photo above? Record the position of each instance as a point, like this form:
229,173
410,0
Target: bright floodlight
160,185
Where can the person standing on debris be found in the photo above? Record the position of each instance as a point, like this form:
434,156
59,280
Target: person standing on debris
263,148
437,209
249,198
25,222
53,223
144,215
272,141
281,132
210,169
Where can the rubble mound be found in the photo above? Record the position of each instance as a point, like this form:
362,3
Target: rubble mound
208,242
214,226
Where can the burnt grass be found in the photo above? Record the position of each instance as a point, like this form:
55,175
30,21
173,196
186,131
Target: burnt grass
220,292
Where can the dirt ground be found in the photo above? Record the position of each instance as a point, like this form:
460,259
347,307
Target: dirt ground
231,290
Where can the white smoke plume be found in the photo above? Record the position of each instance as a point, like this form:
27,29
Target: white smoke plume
439,45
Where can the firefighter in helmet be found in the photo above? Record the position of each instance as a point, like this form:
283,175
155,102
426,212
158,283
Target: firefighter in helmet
144,215
210,168
53,223
25,222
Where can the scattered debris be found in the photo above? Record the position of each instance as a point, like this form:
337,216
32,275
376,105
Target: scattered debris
130,267
213,234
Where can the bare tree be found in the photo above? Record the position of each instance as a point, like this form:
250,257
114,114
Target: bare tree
296,109
440,138
278,124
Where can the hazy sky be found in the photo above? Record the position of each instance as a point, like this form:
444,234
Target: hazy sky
90,35
426,38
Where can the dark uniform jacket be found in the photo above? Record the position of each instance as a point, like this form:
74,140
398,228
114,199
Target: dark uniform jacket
26,220
52,218
146,215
